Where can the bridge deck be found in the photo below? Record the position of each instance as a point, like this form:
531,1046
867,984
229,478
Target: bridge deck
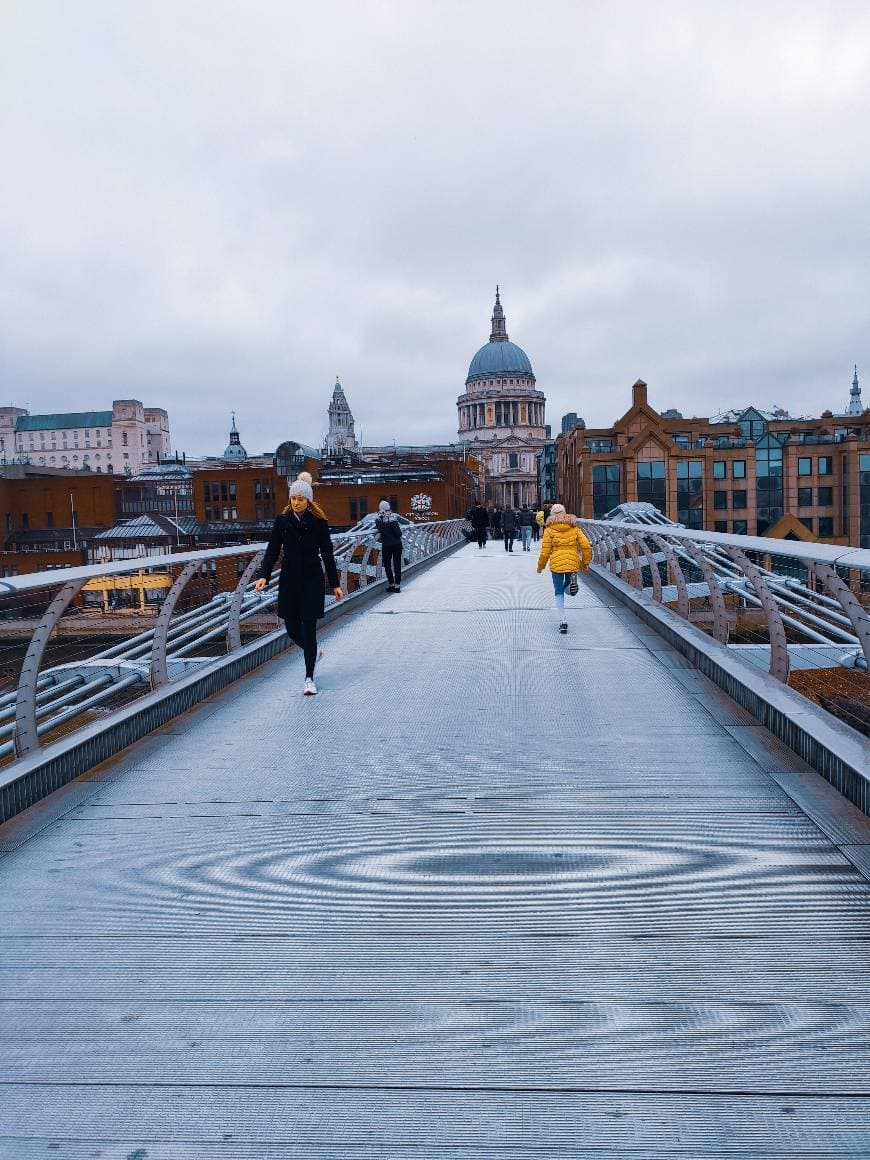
494,893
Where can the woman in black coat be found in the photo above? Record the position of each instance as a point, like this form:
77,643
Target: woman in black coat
301,533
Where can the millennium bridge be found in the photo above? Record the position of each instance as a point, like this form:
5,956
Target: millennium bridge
493,893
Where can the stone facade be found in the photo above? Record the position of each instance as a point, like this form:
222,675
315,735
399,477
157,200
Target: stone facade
502,416
121,441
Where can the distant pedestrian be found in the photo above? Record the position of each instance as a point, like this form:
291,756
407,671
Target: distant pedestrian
495,522
479,518
390,531
526,520
539,523
301,535
566,550
509,528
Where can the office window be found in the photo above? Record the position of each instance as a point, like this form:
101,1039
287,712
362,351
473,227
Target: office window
825,497
738,468
651,484
718,468
826,525
353,516
826,464
720,525
49,519
690,492
739,527
805,497
768,482
720,501
605,488
738,499
363,506
805,466
25,521
807,522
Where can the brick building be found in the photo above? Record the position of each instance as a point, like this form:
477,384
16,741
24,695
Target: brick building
748,472
423,490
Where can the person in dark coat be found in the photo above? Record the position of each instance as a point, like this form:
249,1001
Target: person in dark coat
509,527
301,534
495,522
390,531
479,518
526,521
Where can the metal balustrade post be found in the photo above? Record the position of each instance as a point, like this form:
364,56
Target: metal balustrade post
364,566
610,541
159,667
676,573
623,561
858,616
234,632
25,736
655,575
636,580
717,599
779,659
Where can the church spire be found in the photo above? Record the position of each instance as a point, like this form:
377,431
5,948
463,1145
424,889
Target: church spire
499,327
855,405
234,449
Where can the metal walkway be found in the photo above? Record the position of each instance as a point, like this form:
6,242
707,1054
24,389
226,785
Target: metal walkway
494,893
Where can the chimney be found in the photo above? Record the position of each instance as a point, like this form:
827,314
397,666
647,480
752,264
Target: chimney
638,393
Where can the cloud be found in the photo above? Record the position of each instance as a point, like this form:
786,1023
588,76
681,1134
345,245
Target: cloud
217,206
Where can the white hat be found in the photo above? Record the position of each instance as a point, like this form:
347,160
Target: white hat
558,509
384,505
302,486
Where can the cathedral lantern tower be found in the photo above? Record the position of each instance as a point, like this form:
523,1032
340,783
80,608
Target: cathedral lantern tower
856,407
502,414
341,438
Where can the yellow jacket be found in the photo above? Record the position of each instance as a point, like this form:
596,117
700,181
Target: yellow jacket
539,518
564,545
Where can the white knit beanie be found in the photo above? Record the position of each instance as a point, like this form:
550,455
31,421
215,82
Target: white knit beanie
384,505
302,486
558,509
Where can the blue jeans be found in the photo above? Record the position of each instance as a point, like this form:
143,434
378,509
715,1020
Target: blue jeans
526,533
560,586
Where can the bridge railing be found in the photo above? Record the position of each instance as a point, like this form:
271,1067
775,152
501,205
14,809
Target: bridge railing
78,644
801,609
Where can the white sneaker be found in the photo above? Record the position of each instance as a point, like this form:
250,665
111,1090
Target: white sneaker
309,688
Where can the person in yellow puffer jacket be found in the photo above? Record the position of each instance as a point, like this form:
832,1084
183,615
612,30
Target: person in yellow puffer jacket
567,550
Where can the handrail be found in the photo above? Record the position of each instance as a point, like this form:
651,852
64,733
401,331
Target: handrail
828,613
153,658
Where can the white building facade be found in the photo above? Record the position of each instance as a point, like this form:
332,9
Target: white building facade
502,414
117,442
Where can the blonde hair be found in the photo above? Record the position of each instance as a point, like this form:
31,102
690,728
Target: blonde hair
314,507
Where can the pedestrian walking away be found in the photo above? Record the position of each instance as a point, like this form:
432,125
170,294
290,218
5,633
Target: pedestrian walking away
509,528
526,519
495,522
540,519
566,550
390,531
300,535
479,518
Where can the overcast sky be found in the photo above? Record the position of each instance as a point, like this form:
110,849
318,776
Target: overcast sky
217,205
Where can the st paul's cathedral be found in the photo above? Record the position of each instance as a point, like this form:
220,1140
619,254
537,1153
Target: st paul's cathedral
501,414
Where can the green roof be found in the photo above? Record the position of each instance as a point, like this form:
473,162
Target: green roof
55,422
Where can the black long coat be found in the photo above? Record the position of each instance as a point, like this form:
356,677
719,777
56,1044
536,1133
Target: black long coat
304,543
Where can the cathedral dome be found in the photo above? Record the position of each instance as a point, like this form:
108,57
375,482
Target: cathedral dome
500,358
